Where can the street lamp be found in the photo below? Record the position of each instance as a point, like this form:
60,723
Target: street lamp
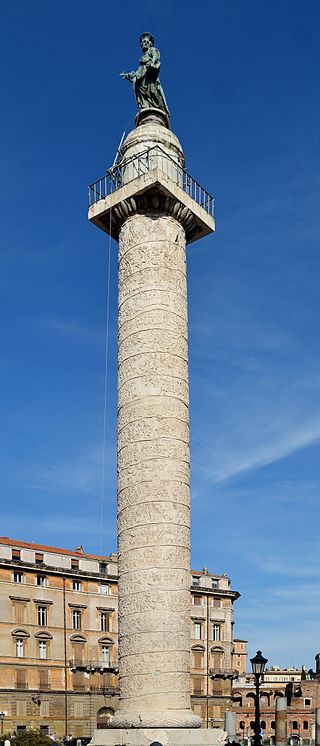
2,716
258,664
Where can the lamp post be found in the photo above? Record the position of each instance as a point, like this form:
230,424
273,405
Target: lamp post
258,664
2,716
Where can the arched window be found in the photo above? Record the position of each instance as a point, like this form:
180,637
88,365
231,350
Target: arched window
264,700
43,640
105,654
217,658
197,656
250,697
242,724
273,724
20,637
252,724
78,649
237,700
19,648
305,725
104,717
263,724
295,725
105,644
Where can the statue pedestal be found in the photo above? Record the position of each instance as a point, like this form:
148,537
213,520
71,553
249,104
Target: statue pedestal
159,737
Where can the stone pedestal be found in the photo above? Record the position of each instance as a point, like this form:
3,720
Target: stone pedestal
160,737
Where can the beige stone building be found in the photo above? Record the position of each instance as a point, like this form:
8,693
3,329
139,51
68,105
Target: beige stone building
59,634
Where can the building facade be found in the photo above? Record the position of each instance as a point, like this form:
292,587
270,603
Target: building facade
303,696
59,640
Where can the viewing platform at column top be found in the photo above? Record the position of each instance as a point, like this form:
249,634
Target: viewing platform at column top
151,180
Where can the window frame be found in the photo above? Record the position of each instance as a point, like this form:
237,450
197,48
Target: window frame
42,615
77,619
20,647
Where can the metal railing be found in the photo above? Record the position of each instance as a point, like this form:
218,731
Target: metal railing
223,672
92,666
127,170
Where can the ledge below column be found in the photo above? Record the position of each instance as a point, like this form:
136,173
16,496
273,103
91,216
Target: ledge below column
159,737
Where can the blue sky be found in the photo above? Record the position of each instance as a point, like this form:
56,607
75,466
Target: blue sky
242,82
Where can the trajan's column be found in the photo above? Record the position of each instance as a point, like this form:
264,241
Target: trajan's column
150,204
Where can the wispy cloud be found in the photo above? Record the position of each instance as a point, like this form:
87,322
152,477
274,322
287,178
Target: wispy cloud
73,329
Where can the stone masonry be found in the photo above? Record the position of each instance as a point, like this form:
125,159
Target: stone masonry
153,218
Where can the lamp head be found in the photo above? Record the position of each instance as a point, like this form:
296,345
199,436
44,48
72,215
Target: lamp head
258,663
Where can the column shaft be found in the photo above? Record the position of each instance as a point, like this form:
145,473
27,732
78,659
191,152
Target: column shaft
281,721
153,476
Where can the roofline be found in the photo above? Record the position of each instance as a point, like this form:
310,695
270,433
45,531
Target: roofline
46,548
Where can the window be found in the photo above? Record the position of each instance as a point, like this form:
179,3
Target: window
76,585
104,621
197,631
44,678
74,564
44,709
15,554
197,685
39,558
263,724
102,568
105,655
18,577
19,648
216,632
21,728
195,581
307,702
197,600
295,725
44,729
242,724
42,649
76,619
252,725
273,724
21,708
42,616
197,659
216,602
305,725
41,580
214,583
218,659
21,678
19,608
78,653
104,588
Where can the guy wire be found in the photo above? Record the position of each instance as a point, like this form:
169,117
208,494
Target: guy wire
105,392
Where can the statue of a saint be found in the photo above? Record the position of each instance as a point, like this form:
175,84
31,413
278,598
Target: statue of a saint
146,84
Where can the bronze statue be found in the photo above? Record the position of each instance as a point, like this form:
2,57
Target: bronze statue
146,84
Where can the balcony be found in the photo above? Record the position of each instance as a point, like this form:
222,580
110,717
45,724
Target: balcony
129,187
131,168
111,691
92,666
223,673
